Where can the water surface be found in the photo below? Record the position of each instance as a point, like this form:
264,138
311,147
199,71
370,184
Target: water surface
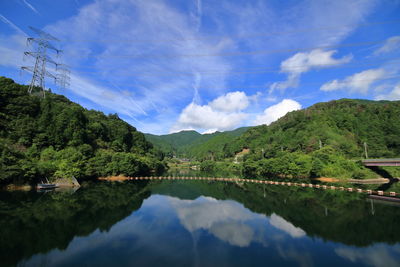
195,223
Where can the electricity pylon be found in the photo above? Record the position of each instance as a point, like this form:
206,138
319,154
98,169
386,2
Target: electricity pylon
42,46
63,78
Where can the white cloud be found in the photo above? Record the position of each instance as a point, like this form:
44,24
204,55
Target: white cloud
164,33
221,114
277,111
286,226
391,44
392,95
304,62
205,117
234,101
224,219
210,131
359,82
110,99
161,28
374,256
237,234
252,18
12,50
206,211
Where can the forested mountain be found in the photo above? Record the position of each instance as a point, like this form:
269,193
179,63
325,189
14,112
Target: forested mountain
343,124
193,144
326,139
54,137
322,140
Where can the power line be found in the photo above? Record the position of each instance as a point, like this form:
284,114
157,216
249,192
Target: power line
259,71
262,68
343,82
230,54
265,85
228,36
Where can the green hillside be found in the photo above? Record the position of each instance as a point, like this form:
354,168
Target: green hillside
291,145
212,146
54,137
343,124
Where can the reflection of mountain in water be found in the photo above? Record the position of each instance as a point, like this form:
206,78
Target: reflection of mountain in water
33,223
331,215
230,221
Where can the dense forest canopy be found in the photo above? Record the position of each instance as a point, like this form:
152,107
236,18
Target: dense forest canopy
344,124
54,137
326,139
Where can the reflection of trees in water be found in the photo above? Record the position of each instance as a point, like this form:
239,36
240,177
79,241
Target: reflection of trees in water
331,215
33,223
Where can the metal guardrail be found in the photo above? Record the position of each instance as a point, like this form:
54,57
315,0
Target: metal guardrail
381,162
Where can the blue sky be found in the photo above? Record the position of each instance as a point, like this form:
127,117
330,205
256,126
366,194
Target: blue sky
166,65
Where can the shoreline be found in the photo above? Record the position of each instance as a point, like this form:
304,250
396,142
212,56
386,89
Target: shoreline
61,183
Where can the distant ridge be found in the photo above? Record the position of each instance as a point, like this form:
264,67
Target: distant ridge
193,144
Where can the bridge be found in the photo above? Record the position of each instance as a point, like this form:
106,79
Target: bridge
381,162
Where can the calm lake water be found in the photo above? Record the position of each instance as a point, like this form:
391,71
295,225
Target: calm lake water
194,223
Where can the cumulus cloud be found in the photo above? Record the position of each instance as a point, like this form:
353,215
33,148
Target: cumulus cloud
204,117
304,62
286,226
277,111
221,114
226,219
359,82
205,212
392,95
237,234
391,44
234,101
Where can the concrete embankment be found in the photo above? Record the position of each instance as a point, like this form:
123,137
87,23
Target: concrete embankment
67,182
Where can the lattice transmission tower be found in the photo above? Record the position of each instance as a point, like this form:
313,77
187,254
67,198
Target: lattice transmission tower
41,47
62,77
